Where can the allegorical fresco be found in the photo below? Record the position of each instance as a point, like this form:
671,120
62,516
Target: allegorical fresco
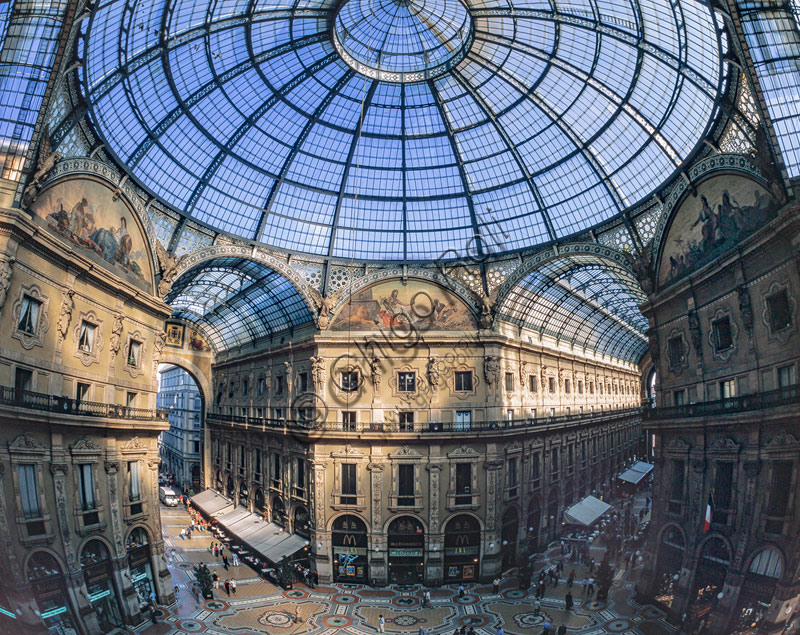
726,209
395,305
84,213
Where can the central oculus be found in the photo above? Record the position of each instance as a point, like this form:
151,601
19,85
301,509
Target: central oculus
402,40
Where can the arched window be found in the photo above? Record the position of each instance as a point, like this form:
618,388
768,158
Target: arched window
137,538
767,563
41,566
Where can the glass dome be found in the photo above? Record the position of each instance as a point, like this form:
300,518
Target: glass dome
400,129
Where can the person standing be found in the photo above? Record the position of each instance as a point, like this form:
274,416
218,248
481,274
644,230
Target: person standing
235,559
537,606
225,562
381,624
227,585
585,583
427,601
590,588
496,586
499,630
233,585
562,630
461,590
568,600
571,578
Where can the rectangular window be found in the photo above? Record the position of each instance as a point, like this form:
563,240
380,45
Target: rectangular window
134,492
512,476
276,469
536,468
554,460
406,382
591,387
28,491
29,315
778,503
727,389
463,380
349,380
349,420
509,415
721,329
86,337
258,461
405,485
303,382
786,376
130,399
463,420
406,421
86,478
679,397
779,311
533,415
82,391
134,350
722,493
245,387
348,484
580,387
570,455
195,447
567,386
551,384
532,383
261,386
463,484
23,378
231,389
675,351
676,487
300,474
509,382
279,382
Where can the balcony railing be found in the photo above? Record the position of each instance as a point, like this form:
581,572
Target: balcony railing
429,427
790,395
67,406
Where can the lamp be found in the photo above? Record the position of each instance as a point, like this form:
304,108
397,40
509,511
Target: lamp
675,577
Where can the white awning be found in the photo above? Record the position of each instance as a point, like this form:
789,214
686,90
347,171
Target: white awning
226,520
211,503
587,512
290,545
636,472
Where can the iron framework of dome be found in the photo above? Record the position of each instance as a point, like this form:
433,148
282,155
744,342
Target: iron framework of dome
521,123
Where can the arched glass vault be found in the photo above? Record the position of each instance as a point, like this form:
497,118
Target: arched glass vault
530,122
584,300
237,301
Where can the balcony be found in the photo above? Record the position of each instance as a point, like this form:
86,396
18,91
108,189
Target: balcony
449,427
788,396
66,406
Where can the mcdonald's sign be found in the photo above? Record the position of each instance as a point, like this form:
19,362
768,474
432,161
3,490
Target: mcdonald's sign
462,540
349,540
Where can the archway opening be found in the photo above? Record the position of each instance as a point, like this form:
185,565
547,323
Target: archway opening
462,549
406,541
278,512
98,576
349,541
709,577
534,522
765,569
181,447
50,592
141,571
508,537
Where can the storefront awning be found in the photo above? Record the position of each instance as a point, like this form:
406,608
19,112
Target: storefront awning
587,512
231,517
290,545
248,527
270,535
211,503
636,472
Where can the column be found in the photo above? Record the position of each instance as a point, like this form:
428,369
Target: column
492,558
321,542
376,545
161,574
434,565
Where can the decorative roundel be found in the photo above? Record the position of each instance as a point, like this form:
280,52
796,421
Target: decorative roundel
337,621
594,605
190,626
296,594
514,594
405,601
344,599
277,619
618,626
216,606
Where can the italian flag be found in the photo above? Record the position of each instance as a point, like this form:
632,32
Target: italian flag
707,521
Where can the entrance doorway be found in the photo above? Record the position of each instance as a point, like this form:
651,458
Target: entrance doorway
349,537
759,585
98,576
406,539
50,592
462,549
138,546
668,566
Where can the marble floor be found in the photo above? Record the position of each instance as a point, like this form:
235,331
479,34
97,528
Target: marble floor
341,609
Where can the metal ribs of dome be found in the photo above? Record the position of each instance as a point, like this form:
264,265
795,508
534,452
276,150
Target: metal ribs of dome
243,116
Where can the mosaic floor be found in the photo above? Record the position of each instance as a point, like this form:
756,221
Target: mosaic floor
341,609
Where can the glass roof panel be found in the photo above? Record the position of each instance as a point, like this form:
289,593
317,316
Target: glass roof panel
268,119
583,300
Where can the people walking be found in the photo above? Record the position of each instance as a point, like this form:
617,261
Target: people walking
496,586
381,624
568,600
590,588
233,585
571,578
562,630
584,584
461,590
537,606
225,562
235,558
426,603
227,585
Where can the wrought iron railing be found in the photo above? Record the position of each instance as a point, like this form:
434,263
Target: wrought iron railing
79,407
789,395
428,427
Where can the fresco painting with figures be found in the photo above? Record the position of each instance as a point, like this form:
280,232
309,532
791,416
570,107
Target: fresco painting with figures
393,304
726,209
85,213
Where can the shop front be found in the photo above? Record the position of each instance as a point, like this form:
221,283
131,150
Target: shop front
49,589
758,588
668,566
98,576
509,538
709,579
462,549
349,538
406,542
244,494
139,565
